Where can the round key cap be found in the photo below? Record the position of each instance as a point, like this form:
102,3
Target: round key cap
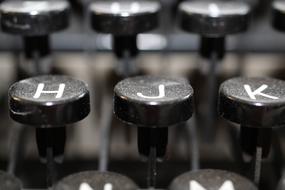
255,102
211,180
214,18
34,18
124,17
96,180
49,100
278,11
9,182
153,101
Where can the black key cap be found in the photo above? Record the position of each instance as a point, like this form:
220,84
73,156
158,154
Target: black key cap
91,180
255,102
209,179
124,17
214,18
34,18
49,100
153,101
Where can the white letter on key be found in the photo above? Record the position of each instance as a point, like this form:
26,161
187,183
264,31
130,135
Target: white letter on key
86,186
258,91
161,94
194,185
40,90
108,186
227,185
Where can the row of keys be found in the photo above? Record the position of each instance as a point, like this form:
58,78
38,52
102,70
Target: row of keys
150,103
50,103
212,20
206,179
208,18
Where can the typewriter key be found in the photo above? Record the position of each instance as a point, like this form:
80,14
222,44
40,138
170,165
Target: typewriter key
213,21
152,104
34,21
256,104
124,20
93,180
48,103
34,18
212,180
49,100
214,18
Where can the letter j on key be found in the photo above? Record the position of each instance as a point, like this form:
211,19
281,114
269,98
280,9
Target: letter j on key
161,93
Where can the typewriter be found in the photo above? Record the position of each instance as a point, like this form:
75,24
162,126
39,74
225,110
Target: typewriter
143,94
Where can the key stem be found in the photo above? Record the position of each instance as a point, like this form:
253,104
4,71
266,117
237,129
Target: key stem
257,165
152,168
51,168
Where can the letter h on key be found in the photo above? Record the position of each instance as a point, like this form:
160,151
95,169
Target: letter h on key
40,90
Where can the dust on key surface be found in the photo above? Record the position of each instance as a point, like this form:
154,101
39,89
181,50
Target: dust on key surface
26,89
154,89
